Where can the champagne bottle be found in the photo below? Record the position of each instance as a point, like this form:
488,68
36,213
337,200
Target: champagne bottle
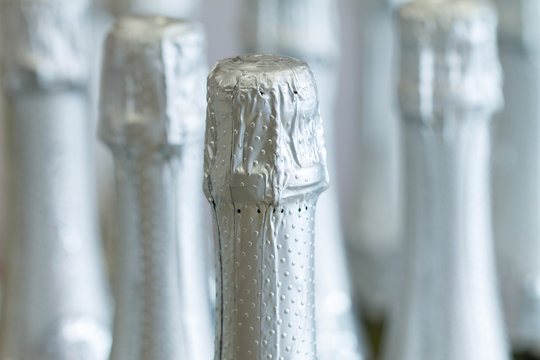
265,166
449,89
56,302
152,118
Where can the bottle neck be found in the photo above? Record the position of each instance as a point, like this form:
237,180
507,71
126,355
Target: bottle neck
449,290
265,288
155,311
54,269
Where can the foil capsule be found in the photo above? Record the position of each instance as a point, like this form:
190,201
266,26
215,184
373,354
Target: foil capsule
449,89
265,166
516,173
152,118
55,302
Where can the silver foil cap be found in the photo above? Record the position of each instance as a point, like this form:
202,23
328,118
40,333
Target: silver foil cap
45,44
449,59
151,81
264,135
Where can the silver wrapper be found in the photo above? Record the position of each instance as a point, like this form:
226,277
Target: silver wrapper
265,166
56,302
449,89
516,173
308,30
152,118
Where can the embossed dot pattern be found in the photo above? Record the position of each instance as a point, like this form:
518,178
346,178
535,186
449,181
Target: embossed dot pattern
264,170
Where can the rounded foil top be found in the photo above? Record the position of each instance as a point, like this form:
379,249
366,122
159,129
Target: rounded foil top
264,135
449,58
45,44
153,82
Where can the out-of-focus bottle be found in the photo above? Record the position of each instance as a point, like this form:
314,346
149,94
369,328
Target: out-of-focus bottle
516,173
449,89
105,11
152,118
308,30
56,303
370,186
265,166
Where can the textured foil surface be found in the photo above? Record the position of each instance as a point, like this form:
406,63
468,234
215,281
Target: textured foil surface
308,30
449,306
516,173
152,118
55,303
265,166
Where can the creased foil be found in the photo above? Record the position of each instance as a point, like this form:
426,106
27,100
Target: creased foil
56,302
265,166
152,118
308,30
449,89
516,173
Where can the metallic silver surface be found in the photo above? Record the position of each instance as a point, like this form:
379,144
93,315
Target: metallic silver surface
265,166
449,89
55,302
516,172
152,118
308,30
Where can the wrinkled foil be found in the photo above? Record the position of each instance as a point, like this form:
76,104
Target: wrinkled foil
152,118
265,166
516,173
55,303
308,30
449,89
